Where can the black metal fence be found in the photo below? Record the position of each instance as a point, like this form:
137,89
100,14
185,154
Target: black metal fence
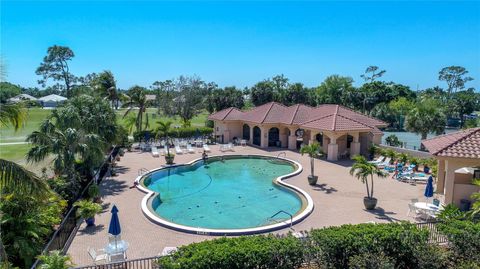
142,263
63,236
434,237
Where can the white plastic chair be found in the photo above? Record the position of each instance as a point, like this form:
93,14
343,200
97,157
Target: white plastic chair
155,152
178,150
190,149
97,257
206,148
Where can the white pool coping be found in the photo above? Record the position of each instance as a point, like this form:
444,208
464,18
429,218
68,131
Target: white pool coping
206,231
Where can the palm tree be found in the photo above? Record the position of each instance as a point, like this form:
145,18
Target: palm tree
66,145
313,150
55,260
163,130
106,84
362,169
137,99
426,117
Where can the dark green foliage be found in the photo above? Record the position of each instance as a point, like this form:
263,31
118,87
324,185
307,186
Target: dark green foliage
241,252
464,239
25,224
224,98
8,90
392,140
333,247
185,132
371,261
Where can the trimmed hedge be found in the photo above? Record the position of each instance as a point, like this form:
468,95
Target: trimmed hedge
464,239
241,252
396,245
334,247
185,132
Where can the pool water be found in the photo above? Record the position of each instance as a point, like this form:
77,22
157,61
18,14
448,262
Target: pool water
234,193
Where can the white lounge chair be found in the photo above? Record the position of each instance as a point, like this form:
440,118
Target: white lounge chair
230,146
380,159
206,148
168,251
178,150
155,152
223,147
386,162
97,257
190,149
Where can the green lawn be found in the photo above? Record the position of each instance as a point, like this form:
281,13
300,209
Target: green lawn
37,115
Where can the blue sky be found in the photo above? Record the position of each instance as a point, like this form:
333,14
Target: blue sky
240,43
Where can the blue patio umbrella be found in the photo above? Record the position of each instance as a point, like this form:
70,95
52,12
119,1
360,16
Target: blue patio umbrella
114,228
429,188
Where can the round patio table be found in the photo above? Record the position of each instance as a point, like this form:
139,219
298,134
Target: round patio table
116,248
426,206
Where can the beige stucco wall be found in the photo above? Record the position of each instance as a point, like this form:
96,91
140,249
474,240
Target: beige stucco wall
446,178
464,191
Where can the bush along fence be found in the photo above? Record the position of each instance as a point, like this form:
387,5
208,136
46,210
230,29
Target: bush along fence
63,236
392,245
185,132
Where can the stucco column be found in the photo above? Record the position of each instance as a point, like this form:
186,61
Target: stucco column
332,149
313,137
292,140
250,141
449,181
264,137
283,137
441,177
355,145
306,137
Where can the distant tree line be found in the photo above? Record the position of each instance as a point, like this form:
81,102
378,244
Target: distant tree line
186,96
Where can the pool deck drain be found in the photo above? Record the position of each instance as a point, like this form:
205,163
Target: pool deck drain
337,197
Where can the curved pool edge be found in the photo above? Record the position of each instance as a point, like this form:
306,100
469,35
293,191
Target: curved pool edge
225,232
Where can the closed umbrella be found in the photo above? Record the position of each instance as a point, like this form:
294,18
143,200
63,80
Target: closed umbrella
114,228
429,188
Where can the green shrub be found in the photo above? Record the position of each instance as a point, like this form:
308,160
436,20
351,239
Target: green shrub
241,252
371,261
333,247
464,239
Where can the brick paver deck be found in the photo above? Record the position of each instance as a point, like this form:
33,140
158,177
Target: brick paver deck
338,199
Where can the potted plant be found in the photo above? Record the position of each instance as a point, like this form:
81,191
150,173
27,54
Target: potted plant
390,153
55,260
426,165
87,210
414,161
403,158
362,169
313,150
94,193
163,130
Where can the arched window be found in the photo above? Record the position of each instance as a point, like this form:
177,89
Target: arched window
273,137
246,132
257,136
319,138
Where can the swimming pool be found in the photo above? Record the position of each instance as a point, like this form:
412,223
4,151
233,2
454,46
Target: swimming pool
229,195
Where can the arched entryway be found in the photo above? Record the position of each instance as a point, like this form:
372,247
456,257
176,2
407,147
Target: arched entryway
274,137
299,134
246,132
257,136
319,139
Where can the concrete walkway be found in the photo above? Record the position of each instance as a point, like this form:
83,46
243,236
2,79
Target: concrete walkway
338,199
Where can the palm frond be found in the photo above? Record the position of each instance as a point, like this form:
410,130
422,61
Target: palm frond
17,179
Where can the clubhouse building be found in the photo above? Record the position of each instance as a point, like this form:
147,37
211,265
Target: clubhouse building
340,131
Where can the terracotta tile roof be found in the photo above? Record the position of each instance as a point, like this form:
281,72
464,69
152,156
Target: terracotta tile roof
462,144
324,117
